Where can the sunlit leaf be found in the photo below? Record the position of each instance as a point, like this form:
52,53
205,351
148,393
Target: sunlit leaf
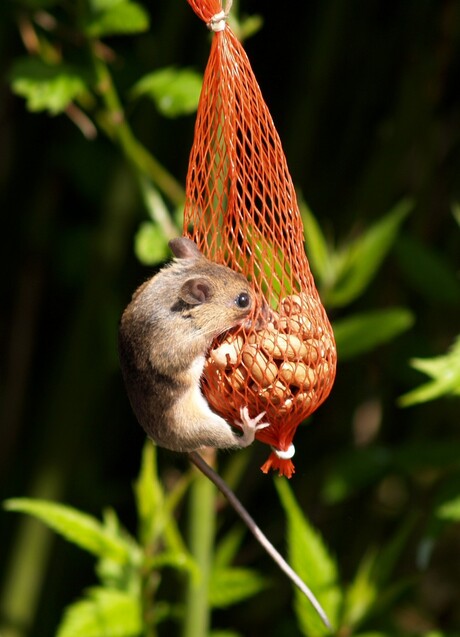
150,244
450,510
103,613
456,213
121,17
233,585
362,591
47,87
359,261
80,528
363,332
97,6
149,495
317,248
310,558
445,372
155,510
246,27
174,91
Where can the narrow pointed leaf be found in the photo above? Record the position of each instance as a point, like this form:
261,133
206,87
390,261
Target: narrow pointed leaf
80,528
233,585
363,332
317,249
310,558
361,259
445,372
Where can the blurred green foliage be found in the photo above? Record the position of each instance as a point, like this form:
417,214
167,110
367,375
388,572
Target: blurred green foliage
96,122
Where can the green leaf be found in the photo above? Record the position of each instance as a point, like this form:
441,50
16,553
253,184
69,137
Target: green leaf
427,271
317,248
77,527
150,244
149,496
363,332
362,592
224,633
113,573
122,17
358,263
449,510
366,593
311,560
103,613
97,6
156,519
47,87
246,27
445,372
228,547
174,91
456,213
233,585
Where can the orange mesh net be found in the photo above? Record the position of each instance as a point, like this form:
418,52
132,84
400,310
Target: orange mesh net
241,210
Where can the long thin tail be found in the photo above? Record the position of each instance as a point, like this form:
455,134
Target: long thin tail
223,487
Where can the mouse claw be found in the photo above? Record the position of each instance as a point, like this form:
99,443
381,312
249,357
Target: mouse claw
250,426
253,422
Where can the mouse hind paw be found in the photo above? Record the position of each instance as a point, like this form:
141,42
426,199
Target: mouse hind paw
250,426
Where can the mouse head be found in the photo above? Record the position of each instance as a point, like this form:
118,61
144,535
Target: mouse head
215,297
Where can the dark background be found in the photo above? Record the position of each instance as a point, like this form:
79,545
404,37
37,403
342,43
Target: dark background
366,97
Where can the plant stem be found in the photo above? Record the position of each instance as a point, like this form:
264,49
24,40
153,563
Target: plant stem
116,126
201,530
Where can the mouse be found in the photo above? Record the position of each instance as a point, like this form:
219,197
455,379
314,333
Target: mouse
164,335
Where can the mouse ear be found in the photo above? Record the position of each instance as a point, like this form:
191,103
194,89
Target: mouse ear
184,248
195,291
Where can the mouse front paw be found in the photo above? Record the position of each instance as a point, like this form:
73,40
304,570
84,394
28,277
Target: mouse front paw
250,426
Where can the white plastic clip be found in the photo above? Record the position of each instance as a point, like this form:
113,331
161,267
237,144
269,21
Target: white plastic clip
285,455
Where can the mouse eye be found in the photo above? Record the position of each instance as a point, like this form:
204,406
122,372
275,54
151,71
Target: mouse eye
243,300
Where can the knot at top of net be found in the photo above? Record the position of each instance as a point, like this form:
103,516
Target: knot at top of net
212,13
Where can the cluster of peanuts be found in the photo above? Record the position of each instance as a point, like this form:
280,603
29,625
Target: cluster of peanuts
289,364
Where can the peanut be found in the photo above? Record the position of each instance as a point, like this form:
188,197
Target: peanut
237,378
282,345
303,399
276,393
293,304
297,374
227,353
286,406
259,367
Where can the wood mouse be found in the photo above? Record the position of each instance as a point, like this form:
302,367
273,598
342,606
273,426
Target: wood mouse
164,335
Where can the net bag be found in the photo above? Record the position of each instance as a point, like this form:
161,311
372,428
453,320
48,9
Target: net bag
241,210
